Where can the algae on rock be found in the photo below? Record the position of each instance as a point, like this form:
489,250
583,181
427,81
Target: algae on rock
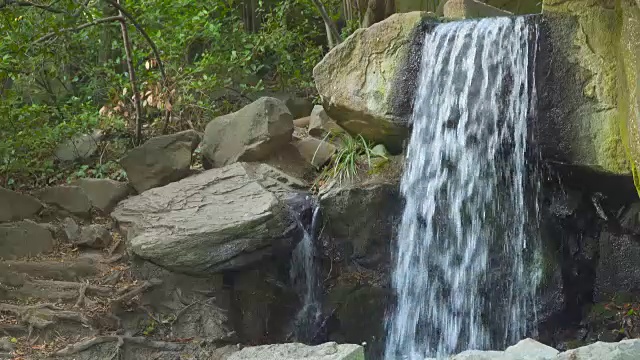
629,89
363,81
588,122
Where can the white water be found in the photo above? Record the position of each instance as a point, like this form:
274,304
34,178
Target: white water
461,274
304,274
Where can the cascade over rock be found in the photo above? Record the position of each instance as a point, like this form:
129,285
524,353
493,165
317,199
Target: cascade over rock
366,81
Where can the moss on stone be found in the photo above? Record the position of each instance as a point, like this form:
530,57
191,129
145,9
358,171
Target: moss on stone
612,156
597,51
629,89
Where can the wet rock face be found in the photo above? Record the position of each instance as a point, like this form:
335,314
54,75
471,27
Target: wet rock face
593,244
361,219
618,269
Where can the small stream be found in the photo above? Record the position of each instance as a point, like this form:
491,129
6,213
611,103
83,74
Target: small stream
305,279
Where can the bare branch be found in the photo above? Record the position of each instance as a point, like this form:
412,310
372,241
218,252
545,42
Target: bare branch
154,48
132,77
144,34
78,28
48,8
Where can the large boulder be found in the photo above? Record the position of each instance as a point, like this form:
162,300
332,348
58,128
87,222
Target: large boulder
585,103
160,160
252,133
367,82
296,351
16,206
221,219
104,194
24,238
70,198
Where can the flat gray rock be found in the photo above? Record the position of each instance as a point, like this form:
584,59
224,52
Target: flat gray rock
623,350
70,198
104,194
220,219
15,206
295,351
24,238
529,349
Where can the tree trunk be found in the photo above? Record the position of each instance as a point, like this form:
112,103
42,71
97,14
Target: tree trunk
378,10
250,17
327,21
330,40
132,78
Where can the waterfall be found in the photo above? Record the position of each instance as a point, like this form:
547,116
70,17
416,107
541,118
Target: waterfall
464,276
304,275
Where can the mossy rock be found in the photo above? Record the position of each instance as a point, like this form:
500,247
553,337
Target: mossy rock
367,82
582,121
629,89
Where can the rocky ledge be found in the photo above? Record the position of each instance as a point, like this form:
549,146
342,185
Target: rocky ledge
530,349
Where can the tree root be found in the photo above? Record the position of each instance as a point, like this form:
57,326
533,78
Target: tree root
82,293
90,289
135,291
121,340
42,315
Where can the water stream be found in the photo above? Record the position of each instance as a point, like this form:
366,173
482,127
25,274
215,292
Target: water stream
463,273
304,275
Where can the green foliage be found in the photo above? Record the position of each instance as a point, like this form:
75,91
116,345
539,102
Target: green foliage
150,328
350,28
77,81
353,155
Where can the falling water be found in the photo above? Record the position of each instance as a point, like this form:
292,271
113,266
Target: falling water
304,274
462,271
